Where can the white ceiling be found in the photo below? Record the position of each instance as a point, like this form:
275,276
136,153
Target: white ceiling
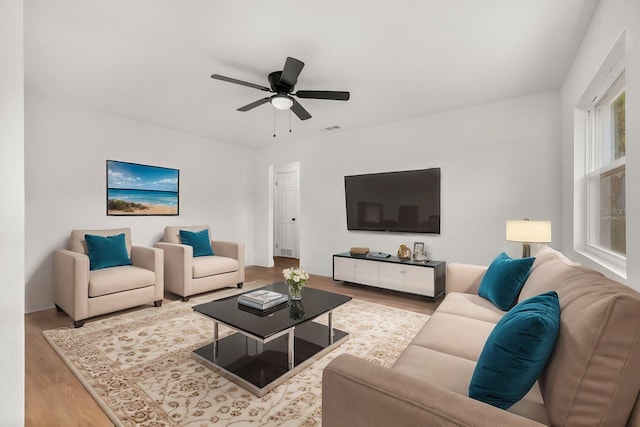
151,60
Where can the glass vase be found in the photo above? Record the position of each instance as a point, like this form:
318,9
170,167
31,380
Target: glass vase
296,310
295,292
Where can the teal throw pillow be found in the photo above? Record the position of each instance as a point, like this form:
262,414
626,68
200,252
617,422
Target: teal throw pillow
504,279
106,251
199,240
517,351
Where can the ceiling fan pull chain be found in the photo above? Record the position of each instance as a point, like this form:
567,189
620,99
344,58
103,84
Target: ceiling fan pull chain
274,122
289,121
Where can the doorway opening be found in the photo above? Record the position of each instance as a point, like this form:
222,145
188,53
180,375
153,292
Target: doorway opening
286,211
280,263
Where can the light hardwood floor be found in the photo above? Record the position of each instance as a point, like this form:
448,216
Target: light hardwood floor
55,397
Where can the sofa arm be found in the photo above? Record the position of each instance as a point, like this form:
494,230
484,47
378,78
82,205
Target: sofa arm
150,259
71,283
178,267
359,393
231,250
464,278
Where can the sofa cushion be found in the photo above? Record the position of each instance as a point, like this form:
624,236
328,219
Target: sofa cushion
454,374
456,335
211,265
107,251
198,240
547,265
118,279
504,279
517,351
594,371
472,306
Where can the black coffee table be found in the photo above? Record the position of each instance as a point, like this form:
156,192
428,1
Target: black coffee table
272,345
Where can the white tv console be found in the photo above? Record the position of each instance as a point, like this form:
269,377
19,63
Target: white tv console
422,278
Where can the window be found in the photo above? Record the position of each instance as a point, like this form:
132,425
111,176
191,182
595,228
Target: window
605,172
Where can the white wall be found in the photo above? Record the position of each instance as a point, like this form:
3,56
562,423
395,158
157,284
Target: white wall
12,214
66,148
499,161
609,20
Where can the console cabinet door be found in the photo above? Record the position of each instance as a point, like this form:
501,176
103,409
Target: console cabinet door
344,269
419,280
391,276
366,272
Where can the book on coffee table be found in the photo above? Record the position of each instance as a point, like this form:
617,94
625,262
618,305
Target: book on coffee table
262,312
262,299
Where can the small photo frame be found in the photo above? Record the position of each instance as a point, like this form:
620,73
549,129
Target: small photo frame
417,247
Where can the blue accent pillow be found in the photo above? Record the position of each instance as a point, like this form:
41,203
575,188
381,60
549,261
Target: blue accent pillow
198,240
504,279
517,351
106,251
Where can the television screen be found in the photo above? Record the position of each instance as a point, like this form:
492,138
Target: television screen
407,201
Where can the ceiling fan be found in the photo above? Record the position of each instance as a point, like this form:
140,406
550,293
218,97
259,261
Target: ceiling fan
282,85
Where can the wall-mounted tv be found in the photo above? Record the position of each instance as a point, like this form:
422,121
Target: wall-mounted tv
407,201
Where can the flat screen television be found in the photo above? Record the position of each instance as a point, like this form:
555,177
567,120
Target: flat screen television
407,201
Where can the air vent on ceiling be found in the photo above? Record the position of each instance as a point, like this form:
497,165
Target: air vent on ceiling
330,128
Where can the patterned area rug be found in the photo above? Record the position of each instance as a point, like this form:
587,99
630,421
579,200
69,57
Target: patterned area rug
138,365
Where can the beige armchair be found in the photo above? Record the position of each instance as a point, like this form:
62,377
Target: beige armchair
186,275
83,293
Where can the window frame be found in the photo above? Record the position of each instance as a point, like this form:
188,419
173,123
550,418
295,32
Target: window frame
605,87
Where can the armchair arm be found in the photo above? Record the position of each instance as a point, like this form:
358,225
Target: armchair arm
71,283
464,278
360,393
178,267
231,250
150,259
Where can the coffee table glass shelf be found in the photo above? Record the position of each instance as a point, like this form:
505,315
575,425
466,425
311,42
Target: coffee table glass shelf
270,346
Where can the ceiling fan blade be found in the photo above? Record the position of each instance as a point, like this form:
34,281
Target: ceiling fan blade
291,71
299,110
323,94
255,104
239,82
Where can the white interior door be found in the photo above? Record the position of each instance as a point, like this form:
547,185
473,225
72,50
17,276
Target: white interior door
286,233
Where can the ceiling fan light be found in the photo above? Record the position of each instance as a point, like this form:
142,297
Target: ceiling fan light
281,102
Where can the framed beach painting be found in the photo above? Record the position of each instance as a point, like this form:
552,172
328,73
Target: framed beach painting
138,190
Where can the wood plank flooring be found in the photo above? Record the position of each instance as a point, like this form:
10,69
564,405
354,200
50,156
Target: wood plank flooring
55,397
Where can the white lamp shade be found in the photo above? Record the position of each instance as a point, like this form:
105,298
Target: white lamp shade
281,102
529,231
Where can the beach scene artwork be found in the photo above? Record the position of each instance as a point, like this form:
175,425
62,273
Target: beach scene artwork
135,189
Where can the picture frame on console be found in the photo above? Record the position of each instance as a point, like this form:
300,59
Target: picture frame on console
417,247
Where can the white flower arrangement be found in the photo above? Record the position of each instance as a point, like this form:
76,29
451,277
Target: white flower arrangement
295,277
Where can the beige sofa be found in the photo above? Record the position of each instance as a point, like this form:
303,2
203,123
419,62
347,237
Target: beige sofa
591,379
186,275
84,293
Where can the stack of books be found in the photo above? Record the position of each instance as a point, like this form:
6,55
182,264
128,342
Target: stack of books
262,299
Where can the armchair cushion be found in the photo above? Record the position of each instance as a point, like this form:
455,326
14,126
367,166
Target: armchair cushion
172,232
118,279
199,240
107,251
211,265
78,244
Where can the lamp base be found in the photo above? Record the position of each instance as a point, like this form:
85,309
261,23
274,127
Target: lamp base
526,250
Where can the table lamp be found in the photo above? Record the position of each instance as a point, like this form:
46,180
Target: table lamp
527,231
